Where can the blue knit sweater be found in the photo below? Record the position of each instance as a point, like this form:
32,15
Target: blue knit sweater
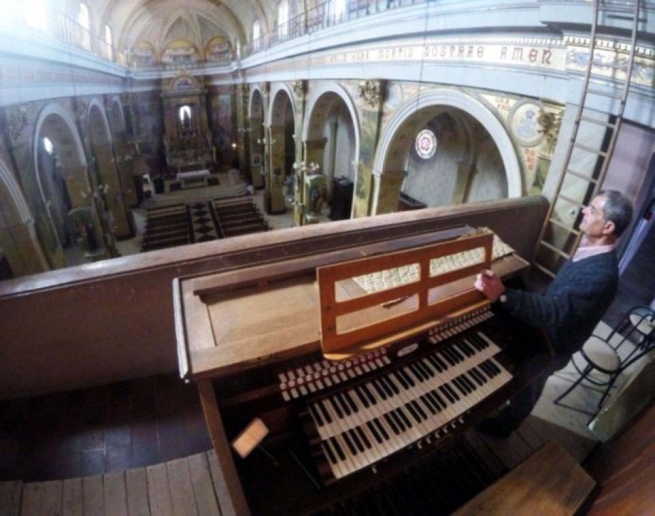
572,305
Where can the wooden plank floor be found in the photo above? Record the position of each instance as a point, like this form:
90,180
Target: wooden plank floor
182,487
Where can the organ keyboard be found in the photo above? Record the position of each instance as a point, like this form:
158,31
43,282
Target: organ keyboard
441,361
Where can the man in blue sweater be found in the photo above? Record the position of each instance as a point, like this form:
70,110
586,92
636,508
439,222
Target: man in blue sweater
572,305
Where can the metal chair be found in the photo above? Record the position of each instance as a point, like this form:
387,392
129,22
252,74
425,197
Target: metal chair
639,322
599,355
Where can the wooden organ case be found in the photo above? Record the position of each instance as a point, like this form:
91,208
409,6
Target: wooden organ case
364,364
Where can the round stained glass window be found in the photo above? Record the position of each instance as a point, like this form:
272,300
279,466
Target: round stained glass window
426,144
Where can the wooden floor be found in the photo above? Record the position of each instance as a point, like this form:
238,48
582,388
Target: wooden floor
180,487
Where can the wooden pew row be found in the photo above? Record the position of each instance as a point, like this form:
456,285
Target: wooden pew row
192,486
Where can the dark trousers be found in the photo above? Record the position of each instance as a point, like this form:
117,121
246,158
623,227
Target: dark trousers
522,403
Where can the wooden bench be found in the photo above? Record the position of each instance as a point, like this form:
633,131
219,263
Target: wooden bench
550,482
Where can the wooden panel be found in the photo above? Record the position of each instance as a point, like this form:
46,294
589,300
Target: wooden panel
52,498
549,482
228,488
115,494
73,499
32,499
179,479
10,497
203,488
159,493
94,498
137,492
334,339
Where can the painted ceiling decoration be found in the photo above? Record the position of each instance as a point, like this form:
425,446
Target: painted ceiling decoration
162,24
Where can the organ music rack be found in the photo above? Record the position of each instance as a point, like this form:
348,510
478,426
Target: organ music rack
242,334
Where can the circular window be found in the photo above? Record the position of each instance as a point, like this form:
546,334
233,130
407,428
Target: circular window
426,144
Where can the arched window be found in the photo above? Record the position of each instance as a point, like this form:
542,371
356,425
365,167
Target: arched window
256,33
339,9
84,20
109,40
36,14
48,146
283,19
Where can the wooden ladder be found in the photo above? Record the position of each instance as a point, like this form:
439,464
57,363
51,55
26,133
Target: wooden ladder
559,238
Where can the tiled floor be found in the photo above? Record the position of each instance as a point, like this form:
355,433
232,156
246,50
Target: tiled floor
101,430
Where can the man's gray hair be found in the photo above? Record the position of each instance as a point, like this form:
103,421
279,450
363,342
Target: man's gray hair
618,209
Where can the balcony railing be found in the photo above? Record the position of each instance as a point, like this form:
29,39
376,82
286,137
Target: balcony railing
321,17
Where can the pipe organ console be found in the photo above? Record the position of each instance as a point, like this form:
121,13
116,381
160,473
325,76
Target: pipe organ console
358,387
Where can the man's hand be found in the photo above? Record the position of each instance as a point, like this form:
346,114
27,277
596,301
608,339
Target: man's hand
489,284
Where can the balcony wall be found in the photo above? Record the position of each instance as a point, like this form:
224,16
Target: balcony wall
113,320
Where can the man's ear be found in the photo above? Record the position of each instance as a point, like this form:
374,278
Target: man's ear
609,227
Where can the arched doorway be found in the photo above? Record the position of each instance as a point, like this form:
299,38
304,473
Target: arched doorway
473,159
62,187
281,153
332,141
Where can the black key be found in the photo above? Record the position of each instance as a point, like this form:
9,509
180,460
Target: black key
458,386
417,372
442,362
452,391
399,422
328,452
381,429
362,398
462,348
474,340
436,363
474,375
445,356
336,407
379,390
426,370
353,406
344,403
405,419
356,440
337,448
465,344
411,407
363,438
324,412
468,378
408,379
317,416
446,393
349,443
457,353
441,401
429,404
494,367
390,421
374,431
369,394
400,380
390,385
419,410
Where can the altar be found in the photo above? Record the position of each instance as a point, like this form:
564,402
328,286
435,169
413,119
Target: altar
193,178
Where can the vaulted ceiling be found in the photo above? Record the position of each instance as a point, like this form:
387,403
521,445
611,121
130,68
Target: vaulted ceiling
162,21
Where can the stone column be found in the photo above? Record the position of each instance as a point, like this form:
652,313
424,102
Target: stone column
22,249
369,101
113,196
276,172
300,93
386,191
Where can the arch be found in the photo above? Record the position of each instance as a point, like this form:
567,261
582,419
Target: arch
74,144
456,99
276,91
313,102
117,121
251,103
102,130
16,194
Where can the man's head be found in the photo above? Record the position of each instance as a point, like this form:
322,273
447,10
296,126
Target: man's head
607,217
